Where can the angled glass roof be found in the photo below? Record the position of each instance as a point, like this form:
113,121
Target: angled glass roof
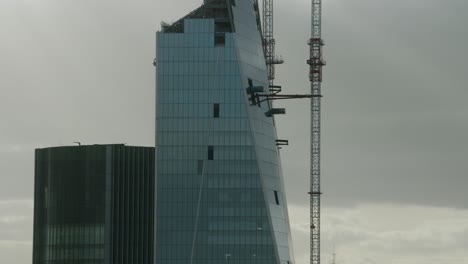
219,10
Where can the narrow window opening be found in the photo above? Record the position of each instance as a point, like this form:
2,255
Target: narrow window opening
276,197
220,40
250,82
200,167
210,153
216,110
233,2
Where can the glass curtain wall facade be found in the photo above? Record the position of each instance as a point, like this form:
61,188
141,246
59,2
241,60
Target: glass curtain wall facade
94,205
219,187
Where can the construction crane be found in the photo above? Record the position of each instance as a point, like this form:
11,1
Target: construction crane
316,63
257,93
269,41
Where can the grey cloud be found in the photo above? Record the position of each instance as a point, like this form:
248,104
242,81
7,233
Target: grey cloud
394,110
9,219
413,235
15,252
15,223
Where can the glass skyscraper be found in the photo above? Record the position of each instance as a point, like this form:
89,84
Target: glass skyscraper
94,205
219,184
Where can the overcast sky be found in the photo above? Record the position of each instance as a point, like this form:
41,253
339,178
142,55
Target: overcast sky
395,116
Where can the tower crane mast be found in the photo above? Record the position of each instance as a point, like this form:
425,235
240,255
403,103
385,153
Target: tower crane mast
316,63
268,40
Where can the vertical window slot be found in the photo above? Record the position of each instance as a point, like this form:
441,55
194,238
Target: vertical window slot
216,110
276,197
220,39
210,153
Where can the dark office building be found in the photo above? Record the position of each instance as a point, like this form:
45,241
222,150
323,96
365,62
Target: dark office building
94,204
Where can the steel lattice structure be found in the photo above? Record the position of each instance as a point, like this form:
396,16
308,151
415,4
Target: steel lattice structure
315,75
316,63
268,40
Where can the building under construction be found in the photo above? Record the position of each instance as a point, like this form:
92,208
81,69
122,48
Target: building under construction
220,193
